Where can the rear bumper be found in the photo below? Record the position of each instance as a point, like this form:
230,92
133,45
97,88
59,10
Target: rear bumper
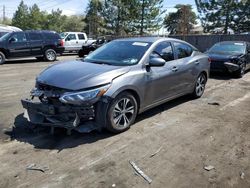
60,50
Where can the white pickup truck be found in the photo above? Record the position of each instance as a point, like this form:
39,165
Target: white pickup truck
73,41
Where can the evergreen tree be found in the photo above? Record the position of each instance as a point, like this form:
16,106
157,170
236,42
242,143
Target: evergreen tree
181,21
93,19
73,23
224,13
148,15
36,18
21,16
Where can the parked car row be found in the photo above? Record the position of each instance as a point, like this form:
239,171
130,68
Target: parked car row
118,79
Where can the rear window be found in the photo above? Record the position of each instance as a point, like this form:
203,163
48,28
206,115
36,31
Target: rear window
183,50
35,36
52,36
81,36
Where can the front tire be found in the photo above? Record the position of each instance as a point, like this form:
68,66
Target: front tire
200,85
50,55
2,58
122,112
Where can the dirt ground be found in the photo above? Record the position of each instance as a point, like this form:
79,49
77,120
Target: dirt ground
186,134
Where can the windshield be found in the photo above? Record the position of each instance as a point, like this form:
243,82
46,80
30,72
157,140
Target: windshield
120,53
5,36
63,35
228,48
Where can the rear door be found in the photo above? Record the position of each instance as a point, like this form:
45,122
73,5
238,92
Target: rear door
36,43
187,67
82,38
18,45
71,42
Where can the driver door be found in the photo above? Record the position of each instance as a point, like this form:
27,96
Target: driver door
18,45
71,42
162,81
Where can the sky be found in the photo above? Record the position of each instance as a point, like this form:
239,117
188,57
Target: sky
70,7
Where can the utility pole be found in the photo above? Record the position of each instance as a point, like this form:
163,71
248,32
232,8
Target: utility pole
4,14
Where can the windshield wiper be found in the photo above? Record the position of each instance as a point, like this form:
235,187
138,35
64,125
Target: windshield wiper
98,62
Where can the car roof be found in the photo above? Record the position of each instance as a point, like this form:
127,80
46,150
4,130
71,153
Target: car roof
150,39
154,39
231,42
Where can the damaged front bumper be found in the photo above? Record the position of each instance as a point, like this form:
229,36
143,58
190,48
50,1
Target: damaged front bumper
232,67
71,117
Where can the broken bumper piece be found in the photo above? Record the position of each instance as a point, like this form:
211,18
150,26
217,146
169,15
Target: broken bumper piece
70,117
231,67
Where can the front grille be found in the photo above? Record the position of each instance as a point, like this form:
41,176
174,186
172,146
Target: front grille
218,65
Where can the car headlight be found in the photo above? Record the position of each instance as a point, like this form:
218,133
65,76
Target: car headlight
83,96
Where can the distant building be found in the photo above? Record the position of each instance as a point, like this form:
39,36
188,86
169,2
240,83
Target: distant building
197,29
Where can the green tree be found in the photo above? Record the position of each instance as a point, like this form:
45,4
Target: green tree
224,13
74,23
118,16
149,15
36,18
181,21
55,21
21,16
93,19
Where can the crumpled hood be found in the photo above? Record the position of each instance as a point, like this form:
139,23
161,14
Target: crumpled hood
222,57
76,75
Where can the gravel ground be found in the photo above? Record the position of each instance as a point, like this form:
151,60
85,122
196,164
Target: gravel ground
185,135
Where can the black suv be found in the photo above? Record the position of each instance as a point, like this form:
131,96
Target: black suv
44,45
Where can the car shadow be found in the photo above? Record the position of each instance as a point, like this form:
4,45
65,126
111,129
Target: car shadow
24,61
163,107
41,138
224,76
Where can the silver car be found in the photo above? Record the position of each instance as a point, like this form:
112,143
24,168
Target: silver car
115,83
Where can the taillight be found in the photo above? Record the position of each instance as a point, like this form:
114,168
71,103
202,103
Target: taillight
209,60
61,42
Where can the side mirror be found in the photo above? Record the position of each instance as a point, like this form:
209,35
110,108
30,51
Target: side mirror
12,40
67,39
156,62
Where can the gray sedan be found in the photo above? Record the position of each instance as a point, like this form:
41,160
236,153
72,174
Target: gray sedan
115,83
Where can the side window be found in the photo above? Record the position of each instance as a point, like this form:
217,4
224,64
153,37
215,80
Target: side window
71,37
81,36
52,36
35,36
18,37
164,50
182,50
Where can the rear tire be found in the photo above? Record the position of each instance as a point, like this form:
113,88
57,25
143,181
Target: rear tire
80,53
240,73
50,55
122,112
2,58
200,85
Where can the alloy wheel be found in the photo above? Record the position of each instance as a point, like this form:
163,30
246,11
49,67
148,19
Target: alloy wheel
50,56
123,113
200,85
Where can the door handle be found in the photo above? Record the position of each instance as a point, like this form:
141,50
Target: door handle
174,69
76,42
197,62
